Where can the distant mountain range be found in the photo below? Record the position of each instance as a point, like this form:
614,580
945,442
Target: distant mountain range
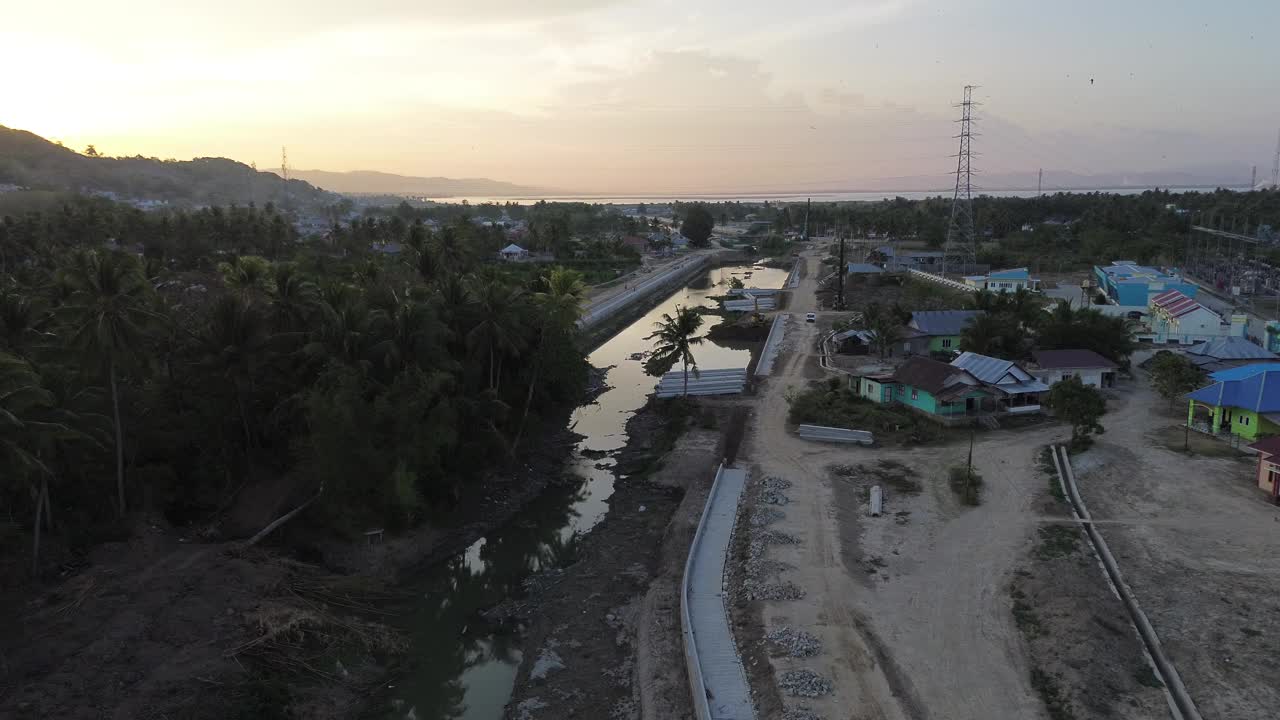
369,182
30,161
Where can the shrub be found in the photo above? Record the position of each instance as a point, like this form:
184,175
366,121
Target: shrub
966,483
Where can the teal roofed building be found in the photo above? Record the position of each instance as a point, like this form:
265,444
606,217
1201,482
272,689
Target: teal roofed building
1004,281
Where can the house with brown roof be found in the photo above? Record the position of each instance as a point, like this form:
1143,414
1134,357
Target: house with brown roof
1092,369
929,386
1268,470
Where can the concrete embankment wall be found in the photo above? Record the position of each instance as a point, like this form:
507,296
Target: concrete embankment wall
661,281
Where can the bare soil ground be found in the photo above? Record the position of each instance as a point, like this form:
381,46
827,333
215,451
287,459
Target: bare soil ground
1087,659
611,621
911,608
1196,540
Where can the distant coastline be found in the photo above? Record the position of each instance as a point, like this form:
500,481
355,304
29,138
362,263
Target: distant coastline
791,197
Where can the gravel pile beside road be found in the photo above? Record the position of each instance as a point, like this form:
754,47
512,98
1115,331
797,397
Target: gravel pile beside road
771,490
780,591
766,516
804,683
796,643
800,713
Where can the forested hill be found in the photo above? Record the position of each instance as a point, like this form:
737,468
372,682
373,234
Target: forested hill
30,161
380,183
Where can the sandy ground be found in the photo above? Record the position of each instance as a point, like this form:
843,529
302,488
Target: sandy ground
929,633
1196,540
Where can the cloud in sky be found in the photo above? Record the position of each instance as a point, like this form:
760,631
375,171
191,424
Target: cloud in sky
658,95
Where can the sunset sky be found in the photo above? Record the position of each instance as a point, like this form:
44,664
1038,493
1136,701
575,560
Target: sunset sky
652,95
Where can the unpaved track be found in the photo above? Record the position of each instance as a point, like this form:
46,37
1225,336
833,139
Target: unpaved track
930,635
1197,542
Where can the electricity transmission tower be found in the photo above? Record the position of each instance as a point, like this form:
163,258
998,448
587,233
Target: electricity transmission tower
284,162
961,239
1275,165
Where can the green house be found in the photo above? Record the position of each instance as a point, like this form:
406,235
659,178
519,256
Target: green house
1242,401
941,328
929,386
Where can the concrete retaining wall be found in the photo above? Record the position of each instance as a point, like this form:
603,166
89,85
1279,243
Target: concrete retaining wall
717,681
673,275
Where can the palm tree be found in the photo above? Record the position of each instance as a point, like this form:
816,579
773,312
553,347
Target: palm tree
235,340
498,329
294,298
675,336
559,308
985,335
247,274
20,322
108,314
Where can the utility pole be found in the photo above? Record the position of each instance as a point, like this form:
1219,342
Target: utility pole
1040,183
840,275
961,239
808,205
1253,179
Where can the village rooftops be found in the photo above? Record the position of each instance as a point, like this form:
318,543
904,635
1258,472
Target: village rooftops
1011,274
1231,347
1127,271
941,380
1245,371
1257,391
1005,375
942,322
1071,359
1175,304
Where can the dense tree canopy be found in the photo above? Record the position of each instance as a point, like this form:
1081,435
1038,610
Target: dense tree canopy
159,379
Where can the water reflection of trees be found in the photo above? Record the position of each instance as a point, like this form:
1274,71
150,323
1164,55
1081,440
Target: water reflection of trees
447,637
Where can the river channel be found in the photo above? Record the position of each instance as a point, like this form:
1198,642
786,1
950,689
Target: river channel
460,669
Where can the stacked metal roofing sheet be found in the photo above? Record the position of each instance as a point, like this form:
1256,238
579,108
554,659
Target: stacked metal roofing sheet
727,381
822,433
750,304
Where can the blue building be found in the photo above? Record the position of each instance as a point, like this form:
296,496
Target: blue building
1127,283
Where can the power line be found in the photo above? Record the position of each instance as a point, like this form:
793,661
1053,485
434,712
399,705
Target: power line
961,239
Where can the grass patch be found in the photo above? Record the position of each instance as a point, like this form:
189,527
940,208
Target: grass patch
1146,677
1057,541
1055,703
966,483
1024,616
1050,470
833,404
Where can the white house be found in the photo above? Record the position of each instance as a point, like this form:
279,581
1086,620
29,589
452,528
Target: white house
1176,318
1052,366
513,252
1003,281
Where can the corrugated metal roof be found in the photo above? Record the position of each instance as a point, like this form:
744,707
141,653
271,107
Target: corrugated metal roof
1176,304
1231,348
1054,359
863,269
1244,371
1259,392
987,369
1010,274
942,322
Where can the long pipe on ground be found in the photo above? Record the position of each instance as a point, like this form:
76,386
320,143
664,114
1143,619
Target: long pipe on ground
877,501
1183,705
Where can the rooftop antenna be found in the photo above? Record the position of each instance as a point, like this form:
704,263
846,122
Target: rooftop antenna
961,239
284,162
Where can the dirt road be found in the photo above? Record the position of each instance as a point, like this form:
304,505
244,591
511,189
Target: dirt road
928,632
1196,540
